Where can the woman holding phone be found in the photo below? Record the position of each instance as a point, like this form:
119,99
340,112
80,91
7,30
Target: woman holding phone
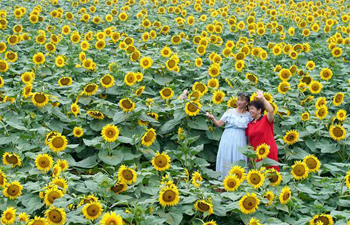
236,121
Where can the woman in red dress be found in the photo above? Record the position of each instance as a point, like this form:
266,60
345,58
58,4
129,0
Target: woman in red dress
260,130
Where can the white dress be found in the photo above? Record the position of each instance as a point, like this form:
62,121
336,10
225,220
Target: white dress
232,138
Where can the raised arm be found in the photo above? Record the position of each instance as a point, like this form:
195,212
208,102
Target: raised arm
267,105
217,123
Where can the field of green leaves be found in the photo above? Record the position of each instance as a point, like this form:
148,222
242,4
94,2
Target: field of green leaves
93,130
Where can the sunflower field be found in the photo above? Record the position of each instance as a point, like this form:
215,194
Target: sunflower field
93,130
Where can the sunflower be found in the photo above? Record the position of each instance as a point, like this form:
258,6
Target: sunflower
40,99
149,137
199,86
338,98
169,196
341,115
139,76
3,179
12,190
239,65
110,218
337,52
60,182
285,74
44,162
214,70
291,137
251,77
231,183
107,81
337,132
139,91
1,82
110,133
325,219
262,150
3,66
310,65
55,216
65,81
38,220
90,89
119,187
130,79
300,170
312,163
305,116
285,195
204,206
326,74
127,105
78,132
218,97
161,161
146,62
198,62
196,179
274,177
58,143
212,222
283,87
8,216
347,179
51,194
166,93
127,175
213,83
192,110
39,58
165,52
320,102
255,178
96,114
322,112
249,203
238,171
11,159
92,210
75,109
269,196
60,61
315,87
23,217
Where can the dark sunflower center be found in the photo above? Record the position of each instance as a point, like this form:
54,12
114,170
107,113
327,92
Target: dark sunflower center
127,174
8,215
191,108
52,196
299,170
249,203
203,206
90,88
55,216
338,132
93,210
117,188
40,98
255,178
231,183
161,161
127,104
65,81
57,142
169,196
149,136
166,92
110,133
12,159
13,190
311,163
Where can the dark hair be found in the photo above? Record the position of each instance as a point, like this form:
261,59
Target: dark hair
258,105
244,95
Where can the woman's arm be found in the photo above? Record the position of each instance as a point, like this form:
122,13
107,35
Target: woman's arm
217,123
267,105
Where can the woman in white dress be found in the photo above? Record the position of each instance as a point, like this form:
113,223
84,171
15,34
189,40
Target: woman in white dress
236,121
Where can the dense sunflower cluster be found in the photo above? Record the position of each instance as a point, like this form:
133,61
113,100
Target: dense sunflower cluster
94,131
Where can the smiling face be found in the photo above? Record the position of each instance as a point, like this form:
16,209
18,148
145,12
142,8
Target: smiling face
254,112
242,102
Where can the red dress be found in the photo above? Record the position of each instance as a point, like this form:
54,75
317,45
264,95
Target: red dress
261,132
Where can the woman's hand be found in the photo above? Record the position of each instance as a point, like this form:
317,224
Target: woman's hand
260,95
210,116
